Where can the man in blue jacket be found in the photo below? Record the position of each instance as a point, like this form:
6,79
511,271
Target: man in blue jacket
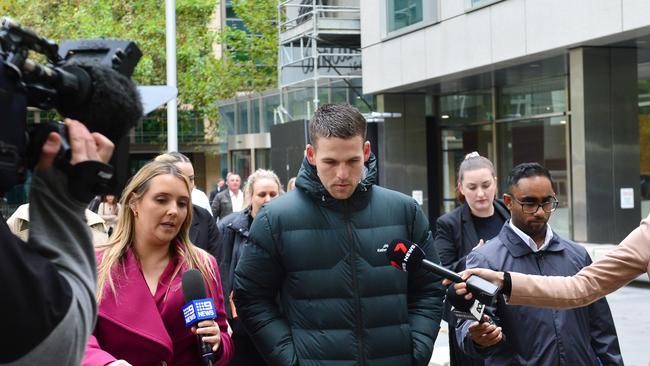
526,244
313,286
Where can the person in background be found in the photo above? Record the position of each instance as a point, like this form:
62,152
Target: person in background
230,200
139,275
312,285
477,220
203,232
526,243
291,184
261,187
108,210
19,225
221,185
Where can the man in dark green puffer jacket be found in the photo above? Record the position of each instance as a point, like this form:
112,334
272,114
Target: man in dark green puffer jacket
312,288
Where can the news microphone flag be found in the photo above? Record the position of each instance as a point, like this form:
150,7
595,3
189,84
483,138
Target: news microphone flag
196,311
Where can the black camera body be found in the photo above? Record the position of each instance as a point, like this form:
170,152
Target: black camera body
87,80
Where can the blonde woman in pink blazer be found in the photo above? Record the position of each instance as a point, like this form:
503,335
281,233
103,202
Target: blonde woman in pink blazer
618,268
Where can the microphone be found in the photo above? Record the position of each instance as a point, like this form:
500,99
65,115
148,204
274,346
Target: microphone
198,307
409,257
468,309
105,101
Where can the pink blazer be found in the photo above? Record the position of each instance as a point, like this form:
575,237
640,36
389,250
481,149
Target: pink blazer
149,330
620,266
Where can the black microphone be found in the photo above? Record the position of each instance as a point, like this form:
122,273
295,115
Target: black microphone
198,307
409,257
468,309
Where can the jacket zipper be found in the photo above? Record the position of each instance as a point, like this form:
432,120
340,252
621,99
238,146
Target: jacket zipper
357,298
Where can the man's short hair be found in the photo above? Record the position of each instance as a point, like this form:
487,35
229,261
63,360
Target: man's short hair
526,170
336,120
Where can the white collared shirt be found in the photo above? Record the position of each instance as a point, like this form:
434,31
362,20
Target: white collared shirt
237,200
200,199
529,241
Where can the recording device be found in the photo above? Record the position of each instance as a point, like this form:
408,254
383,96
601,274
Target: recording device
470,309
198,307
87,80
409,257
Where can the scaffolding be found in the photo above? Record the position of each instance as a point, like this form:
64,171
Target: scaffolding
319,41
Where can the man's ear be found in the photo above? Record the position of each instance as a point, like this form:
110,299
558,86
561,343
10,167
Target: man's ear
508,201
310,153
366,151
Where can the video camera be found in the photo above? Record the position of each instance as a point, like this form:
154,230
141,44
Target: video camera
86,80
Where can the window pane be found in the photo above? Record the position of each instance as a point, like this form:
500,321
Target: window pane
402,13
242,120
262,158
529,99
255,116
227,119
270,103
241,163
542,141
466,108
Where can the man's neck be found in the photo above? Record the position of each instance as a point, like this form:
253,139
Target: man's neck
235,192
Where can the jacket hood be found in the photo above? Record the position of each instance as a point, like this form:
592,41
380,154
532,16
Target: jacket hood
308,181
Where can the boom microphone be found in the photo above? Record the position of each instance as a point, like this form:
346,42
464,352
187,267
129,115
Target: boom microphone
409,257
198,307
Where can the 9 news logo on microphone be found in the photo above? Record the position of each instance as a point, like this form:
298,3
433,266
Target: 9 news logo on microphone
196,311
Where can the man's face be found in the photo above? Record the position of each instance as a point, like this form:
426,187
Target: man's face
234,181
530,191
339,163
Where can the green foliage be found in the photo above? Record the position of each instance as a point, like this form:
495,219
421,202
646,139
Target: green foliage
202,77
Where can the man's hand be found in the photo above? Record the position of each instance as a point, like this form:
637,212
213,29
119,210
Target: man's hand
85,146
487,274
485,334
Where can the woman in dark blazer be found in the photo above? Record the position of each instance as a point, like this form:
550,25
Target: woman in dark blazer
261,187
477,220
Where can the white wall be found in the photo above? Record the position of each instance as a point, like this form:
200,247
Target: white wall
500,32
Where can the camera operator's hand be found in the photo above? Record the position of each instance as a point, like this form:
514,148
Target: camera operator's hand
85,146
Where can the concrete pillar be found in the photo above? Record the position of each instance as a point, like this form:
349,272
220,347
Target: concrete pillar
604,142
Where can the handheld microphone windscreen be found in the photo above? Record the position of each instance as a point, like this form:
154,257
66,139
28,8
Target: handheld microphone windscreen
405,255
113,106
193,287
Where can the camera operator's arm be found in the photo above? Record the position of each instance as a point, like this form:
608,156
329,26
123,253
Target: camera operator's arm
49,309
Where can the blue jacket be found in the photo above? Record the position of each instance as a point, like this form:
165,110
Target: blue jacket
536,336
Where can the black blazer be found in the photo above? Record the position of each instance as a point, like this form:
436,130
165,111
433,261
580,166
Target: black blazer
456,236
203,231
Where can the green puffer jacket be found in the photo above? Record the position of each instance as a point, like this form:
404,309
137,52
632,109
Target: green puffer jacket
312,288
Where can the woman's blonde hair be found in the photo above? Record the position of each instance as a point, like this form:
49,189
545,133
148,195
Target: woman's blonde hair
259,174
114,252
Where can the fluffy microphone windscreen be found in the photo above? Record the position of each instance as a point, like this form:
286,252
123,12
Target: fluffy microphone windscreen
113,106
193,287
